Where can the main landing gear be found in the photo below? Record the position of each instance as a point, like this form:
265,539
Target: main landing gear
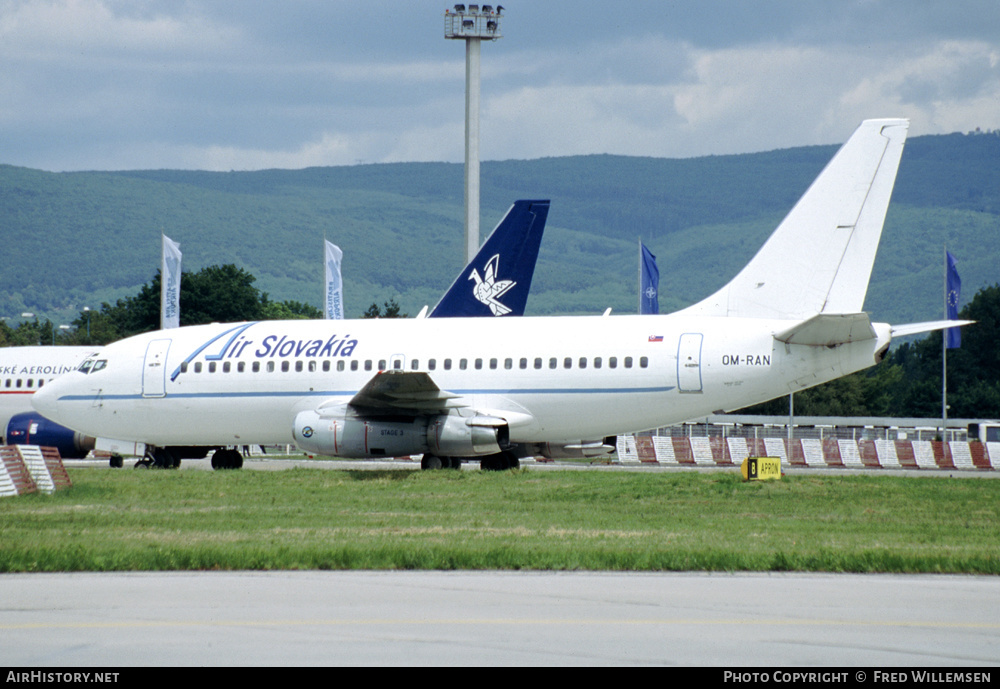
502,461
227,459
498,462
430,461
170,457
159,458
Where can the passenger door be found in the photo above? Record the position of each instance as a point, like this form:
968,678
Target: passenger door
154,369
689,362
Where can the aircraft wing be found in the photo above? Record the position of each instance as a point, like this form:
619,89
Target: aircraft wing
404,392
410,393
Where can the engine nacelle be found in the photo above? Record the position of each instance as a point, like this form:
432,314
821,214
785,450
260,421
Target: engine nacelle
358,438
444,435
30,428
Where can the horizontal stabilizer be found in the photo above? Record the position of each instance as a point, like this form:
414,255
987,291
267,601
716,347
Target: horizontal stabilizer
929,326
828,330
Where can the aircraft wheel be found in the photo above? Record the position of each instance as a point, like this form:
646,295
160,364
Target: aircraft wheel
221,459
500,462
430,462
227,459
493,463
453,462
512,461
164,458
116,462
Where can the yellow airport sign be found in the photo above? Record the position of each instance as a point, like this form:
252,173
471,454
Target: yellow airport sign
761,468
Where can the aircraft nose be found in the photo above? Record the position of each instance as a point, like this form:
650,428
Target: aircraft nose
45,400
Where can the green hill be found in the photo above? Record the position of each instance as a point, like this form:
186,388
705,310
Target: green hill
78,239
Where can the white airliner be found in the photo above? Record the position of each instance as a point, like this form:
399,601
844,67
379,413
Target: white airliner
495,389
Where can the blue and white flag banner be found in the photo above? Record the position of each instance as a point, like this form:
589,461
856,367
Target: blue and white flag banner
953,292
649,282
170,285
334,285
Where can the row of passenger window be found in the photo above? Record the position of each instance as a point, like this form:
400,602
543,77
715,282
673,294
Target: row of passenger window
18,384
432,364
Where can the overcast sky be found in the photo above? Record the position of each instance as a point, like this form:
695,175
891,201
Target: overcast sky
253,84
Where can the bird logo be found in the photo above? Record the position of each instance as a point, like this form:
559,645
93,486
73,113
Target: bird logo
487,288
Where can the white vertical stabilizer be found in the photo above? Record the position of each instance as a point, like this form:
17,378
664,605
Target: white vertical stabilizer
820,257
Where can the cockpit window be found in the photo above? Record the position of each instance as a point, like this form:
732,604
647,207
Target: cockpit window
91,365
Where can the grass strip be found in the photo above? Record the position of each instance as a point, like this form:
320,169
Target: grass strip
534,520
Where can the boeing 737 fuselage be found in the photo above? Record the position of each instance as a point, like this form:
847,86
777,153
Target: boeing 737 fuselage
453,387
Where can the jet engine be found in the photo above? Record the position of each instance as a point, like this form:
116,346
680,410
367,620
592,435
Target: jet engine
442,435
30,428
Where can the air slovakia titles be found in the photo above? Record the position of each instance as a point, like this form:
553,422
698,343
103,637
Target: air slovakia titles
281,346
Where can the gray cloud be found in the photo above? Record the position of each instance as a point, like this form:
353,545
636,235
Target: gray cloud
219,84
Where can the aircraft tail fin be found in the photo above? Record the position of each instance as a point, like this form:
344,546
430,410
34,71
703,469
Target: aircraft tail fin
497,281
819,259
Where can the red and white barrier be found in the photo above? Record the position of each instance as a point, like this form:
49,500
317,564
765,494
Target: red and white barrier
811,452
30,468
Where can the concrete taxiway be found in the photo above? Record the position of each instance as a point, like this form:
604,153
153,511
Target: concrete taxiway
496,618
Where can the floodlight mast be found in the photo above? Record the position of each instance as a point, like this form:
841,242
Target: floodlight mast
472,24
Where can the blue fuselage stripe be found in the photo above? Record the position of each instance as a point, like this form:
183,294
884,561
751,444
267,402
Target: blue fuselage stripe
345,393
